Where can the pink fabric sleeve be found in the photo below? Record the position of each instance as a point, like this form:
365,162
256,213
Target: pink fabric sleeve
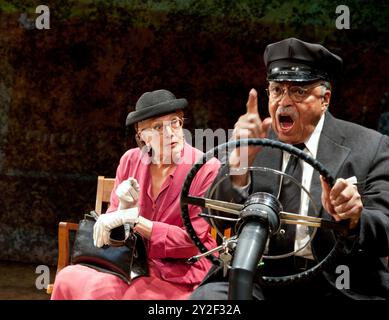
171,241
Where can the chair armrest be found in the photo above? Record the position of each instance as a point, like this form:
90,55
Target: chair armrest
63,243
63,247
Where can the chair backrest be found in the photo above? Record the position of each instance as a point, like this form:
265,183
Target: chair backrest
103,193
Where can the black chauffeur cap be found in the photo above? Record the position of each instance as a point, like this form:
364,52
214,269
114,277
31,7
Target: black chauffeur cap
295,60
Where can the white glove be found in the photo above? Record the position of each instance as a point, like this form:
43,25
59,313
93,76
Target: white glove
108,221
128,193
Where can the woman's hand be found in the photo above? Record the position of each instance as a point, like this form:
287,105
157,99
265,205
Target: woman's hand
108,221
128,193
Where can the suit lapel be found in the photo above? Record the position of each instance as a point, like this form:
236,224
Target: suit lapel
331,153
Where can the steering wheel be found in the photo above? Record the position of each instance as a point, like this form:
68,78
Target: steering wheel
265,201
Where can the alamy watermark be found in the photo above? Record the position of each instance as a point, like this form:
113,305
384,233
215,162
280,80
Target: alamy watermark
343,20
343,280
41,22
43,280
202,139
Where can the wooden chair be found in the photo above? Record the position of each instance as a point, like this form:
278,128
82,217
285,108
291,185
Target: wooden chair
103,194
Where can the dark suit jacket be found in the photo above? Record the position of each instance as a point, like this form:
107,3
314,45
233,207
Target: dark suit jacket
346,150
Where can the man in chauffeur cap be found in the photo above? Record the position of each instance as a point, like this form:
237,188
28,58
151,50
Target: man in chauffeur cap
300,77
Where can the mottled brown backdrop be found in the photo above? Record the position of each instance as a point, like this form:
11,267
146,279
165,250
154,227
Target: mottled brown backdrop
65,92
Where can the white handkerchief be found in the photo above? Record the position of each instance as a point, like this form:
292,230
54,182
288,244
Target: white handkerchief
352,180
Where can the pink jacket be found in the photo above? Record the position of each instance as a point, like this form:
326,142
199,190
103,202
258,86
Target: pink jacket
169,245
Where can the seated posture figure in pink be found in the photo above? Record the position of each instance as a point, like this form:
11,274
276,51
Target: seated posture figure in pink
146,195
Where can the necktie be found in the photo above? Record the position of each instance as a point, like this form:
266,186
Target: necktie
283,241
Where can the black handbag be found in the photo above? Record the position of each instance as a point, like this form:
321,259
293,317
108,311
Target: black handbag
126,259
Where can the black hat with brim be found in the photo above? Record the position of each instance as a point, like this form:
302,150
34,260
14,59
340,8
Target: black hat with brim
153,104
295,60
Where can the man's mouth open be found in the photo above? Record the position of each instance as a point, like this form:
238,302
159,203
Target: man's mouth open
286,122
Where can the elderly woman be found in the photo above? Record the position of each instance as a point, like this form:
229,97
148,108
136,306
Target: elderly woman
146,195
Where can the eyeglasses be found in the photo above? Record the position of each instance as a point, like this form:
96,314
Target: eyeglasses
175,124
277,91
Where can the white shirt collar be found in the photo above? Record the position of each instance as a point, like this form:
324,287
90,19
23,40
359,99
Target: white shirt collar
312,143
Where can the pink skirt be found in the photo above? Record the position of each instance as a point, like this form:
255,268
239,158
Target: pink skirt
77,282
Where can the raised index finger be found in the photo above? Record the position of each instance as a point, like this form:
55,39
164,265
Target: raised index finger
252,102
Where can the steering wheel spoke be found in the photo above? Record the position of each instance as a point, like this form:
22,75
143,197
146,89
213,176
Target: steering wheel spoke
309,221
205,215
224,206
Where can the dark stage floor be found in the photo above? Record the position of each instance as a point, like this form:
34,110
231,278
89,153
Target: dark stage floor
17,281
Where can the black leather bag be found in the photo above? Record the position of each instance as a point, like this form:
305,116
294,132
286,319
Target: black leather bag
126,259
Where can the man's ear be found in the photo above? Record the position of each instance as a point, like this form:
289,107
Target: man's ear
326,99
